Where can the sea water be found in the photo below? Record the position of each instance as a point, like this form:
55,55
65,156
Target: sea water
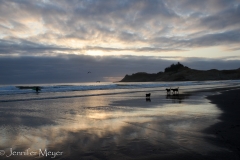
66,87
67,90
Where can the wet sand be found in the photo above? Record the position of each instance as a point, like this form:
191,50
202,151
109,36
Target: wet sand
124,126
228,130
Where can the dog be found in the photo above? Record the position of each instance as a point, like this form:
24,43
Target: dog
175,90
148,95
168,91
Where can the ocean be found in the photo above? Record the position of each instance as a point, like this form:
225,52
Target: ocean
69,87
68,90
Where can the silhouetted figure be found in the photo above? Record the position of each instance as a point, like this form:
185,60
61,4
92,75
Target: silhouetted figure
37,89
175,90
148,95
88,72
168,91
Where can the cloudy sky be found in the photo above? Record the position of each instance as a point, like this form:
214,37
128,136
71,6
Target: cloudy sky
54,41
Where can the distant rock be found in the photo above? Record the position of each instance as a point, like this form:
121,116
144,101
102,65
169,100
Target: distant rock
178,72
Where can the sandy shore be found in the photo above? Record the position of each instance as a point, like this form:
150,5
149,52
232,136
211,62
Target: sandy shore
228,130
124,126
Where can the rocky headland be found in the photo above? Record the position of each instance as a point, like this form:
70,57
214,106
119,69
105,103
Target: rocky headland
178,72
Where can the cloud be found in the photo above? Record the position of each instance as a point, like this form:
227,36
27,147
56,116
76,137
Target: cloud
123,25
228,18
26,47
230,37
136,49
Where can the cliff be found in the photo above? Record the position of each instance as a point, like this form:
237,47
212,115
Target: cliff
179,72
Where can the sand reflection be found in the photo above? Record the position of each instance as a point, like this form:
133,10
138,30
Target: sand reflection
108,127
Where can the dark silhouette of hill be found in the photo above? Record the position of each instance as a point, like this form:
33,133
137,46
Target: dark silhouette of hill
179,72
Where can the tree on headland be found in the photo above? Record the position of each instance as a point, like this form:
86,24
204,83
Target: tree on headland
174,67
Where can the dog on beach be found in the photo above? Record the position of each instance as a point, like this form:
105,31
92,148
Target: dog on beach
168,91
148,99
148,95
175,90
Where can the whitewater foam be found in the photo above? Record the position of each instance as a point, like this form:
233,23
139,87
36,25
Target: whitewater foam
9,90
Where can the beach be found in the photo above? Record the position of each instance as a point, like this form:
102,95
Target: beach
201,122
228,130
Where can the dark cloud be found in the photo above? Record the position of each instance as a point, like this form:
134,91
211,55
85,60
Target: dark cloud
136,49
25,47
230,37
201,6
224,19
73,68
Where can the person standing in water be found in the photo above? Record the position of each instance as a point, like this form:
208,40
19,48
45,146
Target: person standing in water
37,89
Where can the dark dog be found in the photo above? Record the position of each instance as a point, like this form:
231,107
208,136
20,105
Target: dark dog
175,90
148,95
168,91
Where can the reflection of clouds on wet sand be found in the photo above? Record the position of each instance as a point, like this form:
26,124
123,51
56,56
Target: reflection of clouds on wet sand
109,127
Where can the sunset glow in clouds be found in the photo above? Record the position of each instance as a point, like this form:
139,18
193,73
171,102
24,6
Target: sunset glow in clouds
127,30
